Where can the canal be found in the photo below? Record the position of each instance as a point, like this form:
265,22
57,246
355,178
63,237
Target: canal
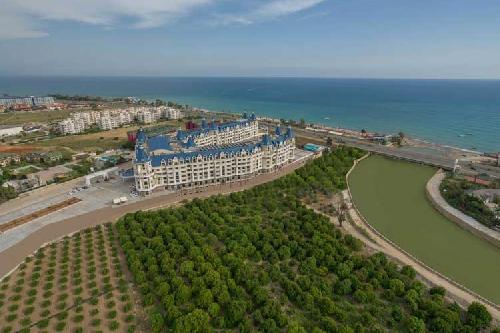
391,195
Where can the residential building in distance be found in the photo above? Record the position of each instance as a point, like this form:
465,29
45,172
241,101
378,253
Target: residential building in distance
165,162
9,101
71,126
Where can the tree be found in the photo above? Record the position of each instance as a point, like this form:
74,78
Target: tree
477,316
157,321
415,325
196,321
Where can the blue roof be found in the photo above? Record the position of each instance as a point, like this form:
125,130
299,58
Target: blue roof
266,141
141,154
159,142
205,128
141,136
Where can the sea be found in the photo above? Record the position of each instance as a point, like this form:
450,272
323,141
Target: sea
459,113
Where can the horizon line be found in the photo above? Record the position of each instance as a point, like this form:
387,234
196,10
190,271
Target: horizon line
243,77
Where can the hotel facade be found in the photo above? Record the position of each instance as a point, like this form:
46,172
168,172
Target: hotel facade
236,158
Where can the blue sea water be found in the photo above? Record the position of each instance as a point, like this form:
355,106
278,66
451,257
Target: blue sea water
462,113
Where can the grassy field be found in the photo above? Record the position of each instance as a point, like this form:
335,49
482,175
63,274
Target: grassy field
21,118
78,284
391,195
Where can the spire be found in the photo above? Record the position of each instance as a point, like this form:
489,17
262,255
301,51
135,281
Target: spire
141,154
266,140
245,115
190,142
180,135
141,136
213,125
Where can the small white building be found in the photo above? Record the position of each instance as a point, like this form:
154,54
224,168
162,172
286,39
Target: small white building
8,130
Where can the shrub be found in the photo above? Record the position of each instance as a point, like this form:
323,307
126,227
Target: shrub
78,330
63,315
32,292
111,314
110,304
94,312
61,306
30,301
28,310
113,325
15,298
96,322
60,326
26,322
127,307
11,317
13,307
129,318
45,313
78,318
45,303
6,329
79,309
43,323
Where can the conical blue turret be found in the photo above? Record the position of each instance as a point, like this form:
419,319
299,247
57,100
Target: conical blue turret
203,123
141,154
252,117
180,135
245,115
266,140
289,132
190,142
213,125
141,136
278,131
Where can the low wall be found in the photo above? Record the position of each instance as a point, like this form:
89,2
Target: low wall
468,223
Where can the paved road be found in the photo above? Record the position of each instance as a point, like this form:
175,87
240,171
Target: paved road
444,162
11,257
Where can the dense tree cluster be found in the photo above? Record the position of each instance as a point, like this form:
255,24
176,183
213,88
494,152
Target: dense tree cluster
456,192
260,260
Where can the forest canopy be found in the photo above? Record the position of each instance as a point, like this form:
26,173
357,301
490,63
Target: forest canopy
260,260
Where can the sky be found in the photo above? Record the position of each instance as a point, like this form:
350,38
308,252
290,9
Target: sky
309,38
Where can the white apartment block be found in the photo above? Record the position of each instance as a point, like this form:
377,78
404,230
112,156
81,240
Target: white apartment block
223,134
71,126
171,113
157,166
210,166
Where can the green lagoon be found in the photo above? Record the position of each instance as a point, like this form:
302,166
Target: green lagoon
391,196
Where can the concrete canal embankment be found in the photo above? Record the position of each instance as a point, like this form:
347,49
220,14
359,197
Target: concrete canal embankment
453,214
391,195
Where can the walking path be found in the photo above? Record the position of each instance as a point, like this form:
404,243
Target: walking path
379,242
453,214
11,257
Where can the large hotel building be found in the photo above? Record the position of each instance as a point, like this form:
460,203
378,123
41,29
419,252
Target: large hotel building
213,154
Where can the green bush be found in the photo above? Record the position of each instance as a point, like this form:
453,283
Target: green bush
113,325
60,326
